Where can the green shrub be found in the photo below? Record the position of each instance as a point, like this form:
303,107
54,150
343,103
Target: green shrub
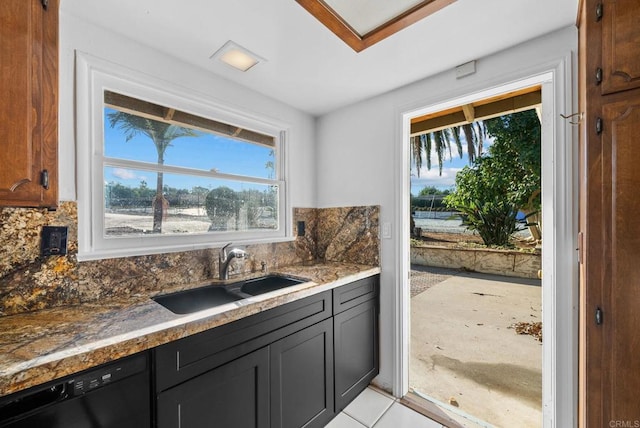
487,197
495,221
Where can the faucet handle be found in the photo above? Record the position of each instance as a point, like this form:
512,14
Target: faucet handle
222,255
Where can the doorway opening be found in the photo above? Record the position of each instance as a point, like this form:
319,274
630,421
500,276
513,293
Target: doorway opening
559,276
476,342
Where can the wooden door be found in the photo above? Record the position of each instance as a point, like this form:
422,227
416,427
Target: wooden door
29,102
609,202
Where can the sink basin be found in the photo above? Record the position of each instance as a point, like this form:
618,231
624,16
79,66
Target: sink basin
197,299
268,283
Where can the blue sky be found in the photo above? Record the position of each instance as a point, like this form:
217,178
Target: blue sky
450,168
205,152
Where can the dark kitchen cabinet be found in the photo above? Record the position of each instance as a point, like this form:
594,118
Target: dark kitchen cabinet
226,374
356,346
302,378
192,356
233,395
29,103
275,368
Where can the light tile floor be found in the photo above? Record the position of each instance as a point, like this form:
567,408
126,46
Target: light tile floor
374,409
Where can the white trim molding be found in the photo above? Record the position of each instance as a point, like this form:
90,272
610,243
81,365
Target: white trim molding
559,263
93,77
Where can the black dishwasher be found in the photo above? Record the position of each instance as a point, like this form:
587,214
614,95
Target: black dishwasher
114,395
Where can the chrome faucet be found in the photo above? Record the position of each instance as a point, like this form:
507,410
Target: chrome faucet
224,259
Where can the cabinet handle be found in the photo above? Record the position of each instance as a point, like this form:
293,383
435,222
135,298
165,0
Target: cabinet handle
599,316
45,4
599,126
44,179
599,12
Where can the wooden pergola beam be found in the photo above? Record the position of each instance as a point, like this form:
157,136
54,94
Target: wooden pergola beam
481,110
153,111
469,112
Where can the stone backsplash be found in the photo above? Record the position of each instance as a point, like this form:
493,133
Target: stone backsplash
29,282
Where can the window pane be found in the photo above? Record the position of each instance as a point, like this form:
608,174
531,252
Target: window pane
133,137
188,204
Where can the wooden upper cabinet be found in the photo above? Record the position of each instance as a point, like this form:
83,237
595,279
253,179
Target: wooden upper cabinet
620,41
29,103
610,175
620,297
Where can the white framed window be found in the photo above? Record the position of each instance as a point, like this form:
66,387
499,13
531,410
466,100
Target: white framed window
161,169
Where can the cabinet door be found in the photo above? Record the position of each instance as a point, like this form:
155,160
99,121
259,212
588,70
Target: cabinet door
618,336
28,106
621,38
302,378
233,395
356,351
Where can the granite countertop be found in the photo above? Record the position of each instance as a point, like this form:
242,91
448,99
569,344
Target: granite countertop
37,347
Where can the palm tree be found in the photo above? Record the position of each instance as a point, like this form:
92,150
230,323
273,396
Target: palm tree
162,134
441,140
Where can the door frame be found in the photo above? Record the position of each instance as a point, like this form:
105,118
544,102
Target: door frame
560,296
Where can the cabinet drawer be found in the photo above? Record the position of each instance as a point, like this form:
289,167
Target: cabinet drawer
353,294
186,358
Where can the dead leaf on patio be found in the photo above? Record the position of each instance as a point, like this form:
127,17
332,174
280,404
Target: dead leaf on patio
531,328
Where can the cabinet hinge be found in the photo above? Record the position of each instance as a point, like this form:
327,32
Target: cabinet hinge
599,12
580,248
44,179
599,126
599,316
598,76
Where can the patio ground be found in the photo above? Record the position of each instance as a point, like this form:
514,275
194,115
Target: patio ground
465,351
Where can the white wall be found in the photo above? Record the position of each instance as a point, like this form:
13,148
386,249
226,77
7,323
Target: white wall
78,35
358,157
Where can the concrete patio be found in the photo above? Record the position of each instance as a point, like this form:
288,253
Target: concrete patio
465,352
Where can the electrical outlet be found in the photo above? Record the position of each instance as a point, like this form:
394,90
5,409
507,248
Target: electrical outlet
301,228
54,241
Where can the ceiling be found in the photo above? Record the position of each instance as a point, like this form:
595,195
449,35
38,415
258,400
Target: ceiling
309,67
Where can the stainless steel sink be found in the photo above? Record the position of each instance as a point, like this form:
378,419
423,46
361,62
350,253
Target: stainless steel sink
198,299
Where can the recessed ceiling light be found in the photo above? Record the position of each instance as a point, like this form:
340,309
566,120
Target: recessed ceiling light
236,56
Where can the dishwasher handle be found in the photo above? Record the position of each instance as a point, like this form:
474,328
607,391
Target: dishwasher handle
34,401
